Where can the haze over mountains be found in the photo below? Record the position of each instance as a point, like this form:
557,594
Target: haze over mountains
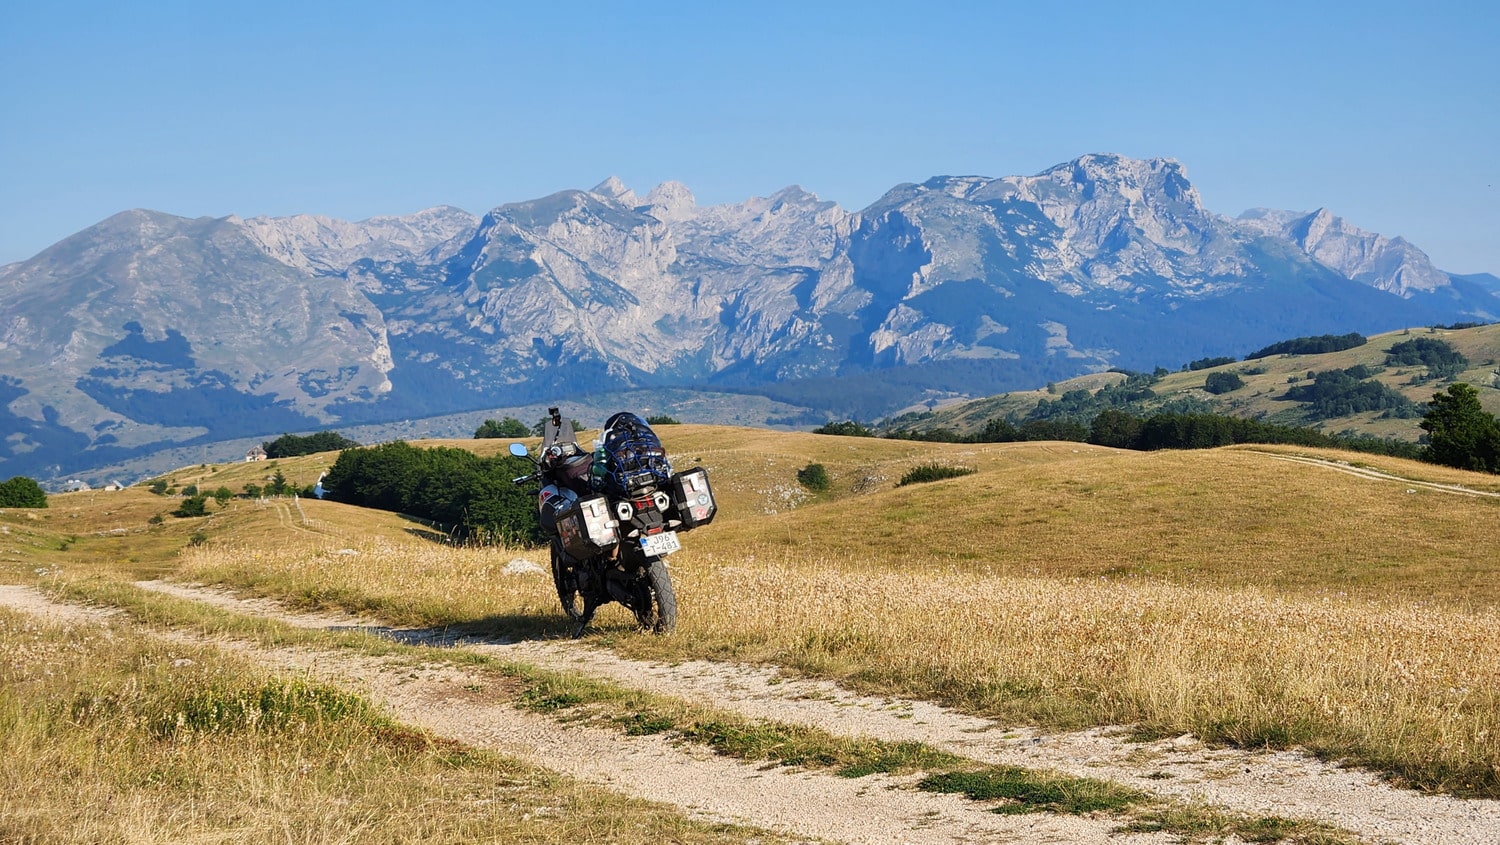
149,330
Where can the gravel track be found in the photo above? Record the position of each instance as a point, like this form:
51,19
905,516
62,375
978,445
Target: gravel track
826,807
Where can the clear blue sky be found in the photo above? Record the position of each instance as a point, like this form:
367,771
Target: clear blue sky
1386,113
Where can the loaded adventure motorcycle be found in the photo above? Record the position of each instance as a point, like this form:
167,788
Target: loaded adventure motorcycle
613,515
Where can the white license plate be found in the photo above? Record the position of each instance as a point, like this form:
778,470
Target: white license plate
660,544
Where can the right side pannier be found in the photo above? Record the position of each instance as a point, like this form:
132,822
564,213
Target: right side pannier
692,498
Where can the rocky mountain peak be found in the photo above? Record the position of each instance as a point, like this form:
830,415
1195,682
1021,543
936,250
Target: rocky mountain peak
671,202
613,188
324,245
1393,265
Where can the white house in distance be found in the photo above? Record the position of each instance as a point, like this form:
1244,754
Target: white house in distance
256,453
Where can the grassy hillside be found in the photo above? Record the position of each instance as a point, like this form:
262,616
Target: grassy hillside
1266,382
1235,593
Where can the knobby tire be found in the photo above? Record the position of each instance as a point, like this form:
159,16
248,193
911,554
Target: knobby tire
658,611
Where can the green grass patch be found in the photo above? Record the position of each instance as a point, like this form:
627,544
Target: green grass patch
1197,823
638,713
1029,791
932,472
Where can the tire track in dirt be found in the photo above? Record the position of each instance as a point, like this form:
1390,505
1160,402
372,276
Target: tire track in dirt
1287,783
1377,475
823,807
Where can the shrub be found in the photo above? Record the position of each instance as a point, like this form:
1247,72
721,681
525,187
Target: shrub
932,472
159,487
814,477
662,419
1218,383
22,492
223,495
192,506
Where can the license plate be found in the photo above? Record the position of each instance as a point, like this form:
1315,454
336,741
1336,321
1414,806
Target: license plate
660,544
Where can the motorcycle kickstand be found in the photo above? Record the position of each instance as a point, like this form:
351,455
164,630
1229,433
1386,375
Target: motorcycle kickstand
588,616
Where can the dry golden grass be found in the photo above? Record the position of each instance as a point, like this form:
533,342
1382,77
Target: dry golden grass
1411,689
80,532
112,736
1228,593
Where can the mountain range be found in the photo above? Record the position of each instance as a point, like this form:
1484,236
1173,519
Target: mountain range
148,330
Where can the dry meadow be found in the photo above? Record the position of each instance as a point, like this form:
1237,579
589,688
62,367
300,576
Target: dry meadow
1234,594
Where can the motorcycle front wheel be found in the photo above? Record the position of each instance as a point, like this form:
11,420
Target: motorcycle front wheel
656,603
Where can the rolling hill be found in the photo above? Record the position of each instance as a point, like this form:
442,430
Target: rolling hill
1264,395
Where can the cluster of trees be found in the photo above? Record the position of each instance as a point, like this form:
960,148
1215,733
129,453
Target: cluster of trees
1339,393
195,499
1311,345
22,492
506,429
847,428
1082,405
292,445
1207,363
1439,357
472,495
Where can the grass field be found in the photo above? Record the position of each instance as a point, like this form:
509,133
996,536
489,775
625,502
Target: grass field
111,735
1229,593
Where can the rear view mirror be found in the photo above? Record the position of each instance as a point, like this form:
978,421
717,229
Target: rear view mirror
519,451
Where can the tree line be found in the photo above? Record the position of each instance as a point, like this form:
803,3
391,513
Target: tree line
292,445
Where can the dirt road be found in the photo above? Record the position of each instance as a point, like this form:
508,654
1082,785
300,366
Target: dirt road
819,806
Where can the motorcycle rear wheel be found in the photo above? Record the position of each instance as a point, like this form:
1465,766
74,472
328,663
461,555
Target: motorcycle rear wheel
656,603
567,586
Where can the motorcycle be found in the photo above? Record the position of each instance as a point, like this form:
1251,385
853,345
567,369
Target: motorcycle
612,517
